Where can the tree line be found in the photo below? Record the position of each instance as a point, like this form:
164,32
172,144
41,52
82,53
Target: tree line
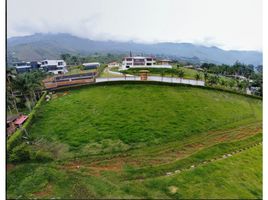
23,90
101,58
242,76
238,69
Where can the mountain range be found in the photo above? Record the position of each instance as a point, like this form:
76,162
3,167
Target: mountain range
50,46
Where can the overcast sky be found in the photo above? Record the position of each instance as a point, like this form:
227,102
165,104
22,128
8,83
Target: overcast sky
228,24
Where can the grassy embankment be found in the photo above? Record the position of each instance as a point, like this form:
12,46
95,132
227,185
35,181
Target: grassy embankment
104,138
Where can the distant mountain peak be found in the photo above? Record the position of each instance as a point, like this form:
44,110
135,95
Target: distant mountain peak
51,45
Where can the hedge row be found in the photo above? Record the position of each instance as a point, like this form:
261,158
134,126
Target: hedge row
152,83
16,137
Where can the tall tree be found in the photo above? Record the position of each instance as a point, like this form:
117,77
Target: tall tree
11,98
180,74
197,77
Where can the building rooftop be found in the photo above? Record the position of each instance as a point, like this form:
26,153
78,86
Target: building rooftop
93,63
11,118
21,119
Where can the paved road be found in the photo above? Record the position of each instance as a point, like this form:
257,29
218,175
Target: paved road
153,78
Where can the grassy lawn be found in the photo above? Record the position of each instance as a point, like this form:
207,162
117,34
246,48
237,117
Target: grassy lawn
239,176
78,70
106,74
188,73
131,115
104,138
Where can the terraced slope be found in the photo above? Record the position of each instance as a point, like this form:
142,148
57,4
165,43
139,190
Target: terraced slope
125,141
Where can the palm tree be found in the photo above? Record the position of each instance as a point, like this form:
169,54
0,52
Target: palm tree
222,82
231,83
213,80
205,76
27,84
21,84
172,75
180,74
11,98
240,85
197,77
162,75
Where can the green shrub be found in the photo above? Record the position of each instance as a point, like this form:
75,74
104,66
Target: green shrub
14,140
42,156
20,153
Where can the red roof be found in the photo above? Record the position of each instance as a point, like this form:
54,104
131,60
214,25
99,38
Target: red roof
21,119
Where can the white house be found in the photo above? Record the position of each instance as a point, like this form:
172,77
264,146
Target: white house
141,62
113,64
54,66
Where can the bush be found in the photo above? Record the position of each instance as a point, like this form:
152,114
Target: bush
42,156
14,140
20,153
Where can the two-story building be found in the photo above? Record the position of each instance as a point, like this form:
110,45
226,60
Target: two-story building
137,61
22,67
54,66
141,62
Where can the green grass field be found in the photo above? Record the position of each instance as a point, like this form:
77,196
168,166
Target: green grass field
188,73
120,141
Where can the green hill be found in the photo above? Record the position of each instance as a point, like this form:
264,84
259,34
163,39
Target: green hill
122,140
51,46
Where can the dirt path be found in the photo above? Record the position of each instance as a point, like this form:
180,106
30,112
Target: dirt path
205,162
164,154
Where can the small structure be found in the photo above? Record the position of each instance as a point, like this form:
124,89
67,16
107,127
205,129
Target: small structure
237,77
164,62
113,64
75,79
144,75
93,65
15,121
189,66
20,120
10,125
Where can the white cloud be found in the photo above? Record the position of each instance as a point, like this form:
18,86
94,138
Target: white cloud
230,24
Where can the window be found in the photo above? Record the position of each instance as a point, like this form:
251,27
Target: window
139,60
60,63
52,67
148,63
128,59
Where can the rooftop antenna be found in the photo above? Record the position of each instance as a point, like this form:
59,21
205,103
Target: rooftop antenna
130,54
